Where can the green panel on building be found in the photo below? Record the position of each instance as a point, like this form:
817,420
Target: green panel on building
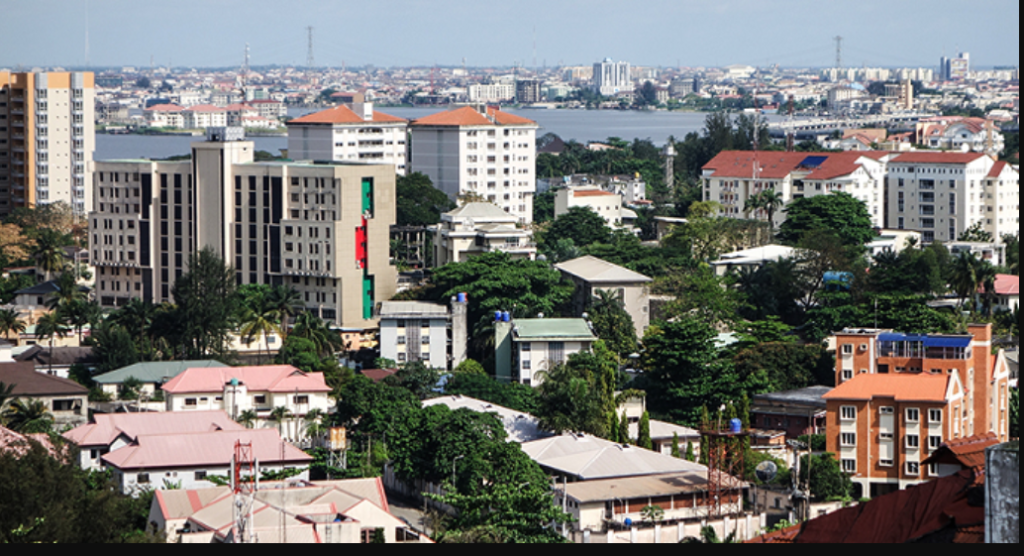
367,195
367,297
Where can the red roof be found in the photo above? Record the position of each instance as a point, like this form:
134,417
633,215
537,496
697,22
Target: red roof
20,444
938,158
165,108
177,451
265,102
107,428
29,383
256,379
378,375
592,194
469,116
1007,284
997,169
926,513
776,166
344,115
966,452
928,388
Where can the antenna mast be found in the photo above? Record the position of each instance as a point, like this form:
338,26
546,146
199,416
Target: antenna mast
244,483
310,60
839,53
245,75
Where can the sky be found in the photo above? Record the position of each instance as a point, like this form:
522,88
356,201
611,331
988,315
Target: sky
490,33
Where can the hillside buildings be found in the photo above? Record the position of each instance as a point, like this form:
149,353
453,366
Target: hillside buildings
526,347
47,140
65,400
412,331
606,204
591,275
320,229
479,152
350,133
902,396
478,228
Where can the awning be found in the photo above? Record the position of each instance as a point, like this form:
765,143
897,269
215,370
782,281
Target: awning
947,343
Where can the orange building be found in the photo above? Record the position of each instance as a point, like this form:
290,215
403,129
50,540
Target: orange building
901,396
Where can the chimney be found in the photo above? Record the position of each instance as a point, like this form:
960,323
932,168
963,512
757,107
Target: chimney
460,329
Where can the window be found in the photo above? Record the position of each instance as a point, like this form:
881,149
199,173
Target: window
849,466
848,349
260,400
526,347
934,442
200,475
527,365
300,400
913,416
887,411
848,413
886,463
848,374
142,478
401,340
913,469
913,442
935,415
191,402
886,437
849,440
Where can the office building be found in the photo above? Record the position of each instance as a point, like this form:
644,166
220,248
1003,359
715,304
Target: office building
482,152
350,133
955,69
901,396
320,229
612,78
492,92
47,139
528,91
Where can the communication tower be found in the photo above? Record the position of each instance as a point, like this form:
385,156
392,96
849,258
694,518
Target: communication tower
726,467
244,483
310,59
790,131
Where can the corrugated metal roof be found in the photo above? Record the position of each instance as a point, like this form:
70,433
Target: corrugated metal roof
198,450
155,373
591,458
597,271
520,427
900,387
651,486
279,378
107,428
527,330
412,309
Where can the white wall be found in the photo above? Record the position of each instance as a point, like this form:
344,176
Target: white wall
129,480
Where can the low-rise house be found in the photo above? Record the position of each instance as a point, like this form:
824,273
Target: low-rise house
327,512
797,412
591,274
1007,293
66,401
520,427
109,433
478,228
176,461
588,458
606,204
151,376
526,347
57,361
963,454
753,258
262,390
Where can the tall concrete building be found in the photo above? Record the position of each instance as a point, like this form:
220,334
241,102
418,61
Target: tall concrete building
479,151
350,133
612,78
955,69
528,91
47,138
320,229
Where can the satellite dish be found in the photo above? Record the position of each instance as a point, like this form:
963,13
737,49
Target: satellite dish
767,471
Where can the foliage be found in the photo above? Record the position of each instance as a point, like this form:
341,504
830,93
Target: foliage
28,417
51,500
755,458
644,438
301,354
310,327
612,323
911,272
418,378
580,396
205,296
418,202
10,322
14,246
780,367
470,367
676,451
840,213
706,237
691,454
827,480
970,274
129,390
1014,413
641,156
839,310
684,372
581,225
9,286
702,294
114,347
544,206
708,535
515,396
817,442
977,234
652,514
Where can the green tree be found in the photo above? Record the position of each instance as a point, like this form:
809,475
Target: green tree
49,252
10,322
418,378
518,397
582,225
691,455
977,234
279,416
205,296
310,327
612,323
418,202
544,206
644,439
676,452
652,515
284,304
840,213
129,390
1014,413
6,397
647,95
114,347
301,354
570,401
827,480
248,418
260,322
81,313
470,367
780,367
29,417
51,326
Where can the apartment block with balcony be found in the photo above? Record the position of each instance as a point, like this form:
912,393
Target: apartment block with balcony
320,229
907,371
47,140
350,133
481,152
478,228
944,194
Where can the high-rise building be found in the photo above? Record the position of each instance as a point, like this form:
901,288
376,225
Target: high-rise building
47,139
350,133
482,152
612,78
321,229
528,91
955,69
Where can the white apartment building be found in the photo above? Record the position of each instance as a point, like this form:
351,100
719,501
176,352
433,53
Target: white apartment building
478,228
492,92
321,229
204,116
732,178
165,115
47,140
480,151
350,133
606,204
412,331
943,194
612,78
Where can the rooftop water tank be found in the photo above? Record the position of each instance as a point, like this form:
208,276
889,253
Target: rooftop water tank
735,426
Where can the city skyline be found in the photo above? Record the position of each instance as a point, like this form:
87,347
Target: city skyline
402,33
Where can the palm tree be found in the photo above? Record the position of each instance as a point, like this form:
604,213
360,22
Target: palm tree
310,327
135,317
986,275
314,423
771,202
259,322
10,321
965,277
51,326
49,254
279,415
29,417
6,397
754,203
81,313
68,292
285,303
248,418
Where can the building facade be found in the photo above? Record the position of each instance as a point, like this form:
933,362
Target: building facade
526,347
606,204
47,140
612,78
528,91
350,133
591,275
482,152
412,331
930,388
321,229
492,92
478,228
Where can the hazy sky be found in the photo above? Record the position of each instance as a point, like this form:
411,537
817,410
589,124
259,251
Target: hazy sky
213,33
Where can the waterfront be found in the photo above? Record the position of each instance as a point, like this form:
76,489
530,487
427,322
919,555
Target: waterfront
580,125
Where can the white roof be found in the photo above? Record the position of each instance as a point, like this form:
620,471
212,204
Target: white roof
758,255
520,427
484,212
589,458
597,271
418,309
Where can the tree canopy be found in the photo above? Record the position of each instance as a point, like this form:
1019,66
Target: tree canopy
581,225
840,213
418,202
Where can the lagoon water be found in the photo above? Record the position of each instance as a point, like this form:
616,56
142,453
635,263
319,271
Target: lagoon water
580,125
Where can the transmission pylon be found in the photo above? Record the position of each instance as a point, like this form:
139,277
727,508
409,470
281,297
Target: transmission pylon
310,59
